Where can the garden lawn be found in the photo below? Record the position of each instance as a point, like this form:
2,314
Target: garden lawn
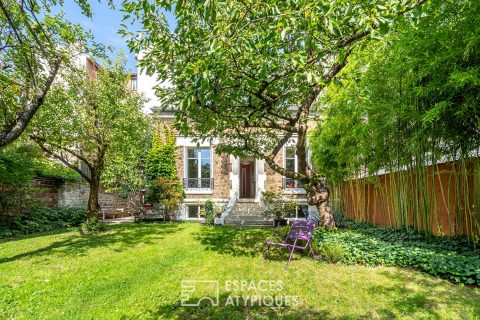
134,271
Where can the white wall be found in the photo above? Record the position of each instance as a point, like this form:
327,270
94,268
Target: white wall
146,85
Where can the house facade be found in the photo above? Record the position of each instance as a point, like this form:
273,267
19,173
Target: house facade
233,184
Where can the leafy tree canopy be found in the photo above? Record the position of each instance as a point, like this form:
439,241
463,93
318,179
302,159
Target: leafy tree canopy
249,72
34,45
96,126
237,67
413,95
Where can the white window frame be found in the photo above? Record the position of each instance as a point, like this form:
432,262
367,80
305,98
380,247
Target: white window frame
297,210
199,209
296,190
199,172
134,84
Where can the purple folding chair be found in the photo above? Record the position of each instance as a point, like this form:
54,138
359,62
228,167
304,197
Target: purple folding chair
301,230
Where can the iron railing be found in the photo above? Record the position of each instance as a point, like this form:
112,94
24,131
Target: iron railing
197,183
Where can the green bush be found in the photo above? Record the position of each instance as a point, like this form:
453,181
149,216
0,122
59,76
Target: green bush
40,220
209,213
331,252
92,226
450,258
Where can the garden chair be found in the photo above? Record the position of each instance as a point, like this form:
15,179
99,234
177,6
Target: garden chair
301,230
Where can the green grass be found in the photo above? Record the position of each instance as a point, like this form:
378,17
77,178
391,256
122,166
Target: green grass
134,271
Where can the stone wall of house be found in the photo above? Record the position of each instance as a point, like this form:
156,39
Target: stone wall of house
273,181
221,173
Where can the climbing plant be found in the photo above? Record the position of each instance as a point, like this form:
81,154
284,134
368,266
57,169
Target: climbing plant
164,187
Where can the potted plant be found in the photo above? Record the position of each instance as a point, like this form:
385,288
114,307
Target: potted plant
277,207
218,211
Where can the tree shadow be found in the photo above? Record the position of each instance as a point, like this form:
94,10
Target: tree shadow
233,241
410,302
118,237
244,241
238,311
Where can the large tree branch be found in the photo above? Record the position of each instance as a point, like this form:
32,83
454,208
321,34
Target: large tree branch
20,40
272,125
63,160
270,159
362,34
12,131
42,141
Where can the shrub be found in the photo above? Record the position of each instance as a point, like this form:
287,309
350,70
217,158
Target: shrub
92,226
276,206
450,258
331,252
40,220
209,213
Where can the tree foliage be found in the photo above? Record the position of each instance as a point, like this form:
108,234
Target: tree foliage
405,102
94,125
34,45
20,162
249,72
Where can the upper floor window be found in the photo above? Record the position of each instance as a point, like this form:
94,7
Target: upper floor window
291,164
133,84
198,169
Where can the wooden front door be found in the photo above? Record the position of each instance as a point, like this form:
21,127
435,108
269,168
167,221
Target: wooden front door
245,180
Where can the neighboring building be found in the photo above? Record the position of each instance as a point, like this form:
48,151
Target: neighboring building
234,183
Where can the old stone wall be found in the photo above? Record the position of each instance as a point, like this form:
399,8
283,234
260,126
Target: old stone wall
75,194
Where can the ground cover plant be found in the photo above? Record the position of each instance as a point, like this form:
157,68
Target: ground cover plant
40,220
134,271
454,259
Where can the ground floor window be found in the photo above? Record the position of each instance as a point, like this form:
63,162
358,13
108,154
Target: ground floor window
194,211
300,212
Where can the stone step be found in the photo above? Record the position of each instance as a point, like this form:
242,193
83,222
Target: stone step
246,200
250,218
243,214
248,205
248,211
248,223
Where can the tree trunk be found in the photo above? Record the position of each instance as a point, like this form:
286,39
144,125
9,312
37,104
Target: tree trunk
93,206
318,195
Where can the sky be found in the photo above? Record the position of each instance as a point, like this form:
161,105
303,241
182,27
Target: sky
104,25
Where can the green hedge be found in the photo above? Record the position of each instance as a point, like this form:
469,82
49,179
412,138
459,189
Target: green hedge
451,258
40,220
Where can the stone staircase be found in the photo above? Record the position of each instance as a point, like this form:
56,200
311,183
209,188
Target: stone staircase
247,213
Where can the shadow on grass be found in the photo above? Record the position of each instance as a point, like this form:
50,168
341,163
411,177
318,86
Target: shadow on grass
225,311
118,237
245,241
410,302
